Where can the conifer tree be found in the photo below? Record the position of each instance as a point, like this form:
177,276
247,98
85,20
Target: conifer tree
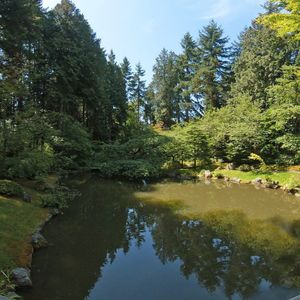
137,90
214,66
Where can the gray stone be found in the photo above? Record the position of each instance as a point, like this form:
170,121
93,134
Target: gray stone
255,259
38,241
54,212
257,181
26,197
3,298
230,166
207,174
13,295
295,298
21,277
236,180
271,185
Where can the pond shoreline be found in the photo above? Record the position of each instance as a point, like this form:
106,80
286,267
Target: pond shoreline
224,175
157,196
208,175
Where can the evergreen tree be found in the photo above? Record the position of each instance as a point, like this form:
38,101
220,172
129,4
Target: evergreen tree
137,89
214,66
116,99
149,117
165,78
127,73
187,62
260,63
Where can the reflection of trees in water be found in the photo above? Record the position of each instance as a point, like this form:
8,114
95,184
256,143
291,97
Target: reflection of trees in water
225,249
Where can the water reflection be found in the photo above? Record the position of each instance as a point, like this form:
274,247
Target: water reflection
109,232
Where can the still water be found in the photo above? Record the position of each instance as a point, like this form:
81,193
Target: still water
171,241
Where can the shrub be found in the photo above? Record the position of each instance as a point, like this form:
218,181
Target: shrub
6,284
293,183
10,188
244,168
131,169
31,164
59,198
219,175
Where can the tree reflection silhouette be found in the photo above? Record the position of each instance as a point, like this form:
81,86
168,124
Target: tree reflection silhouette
221,248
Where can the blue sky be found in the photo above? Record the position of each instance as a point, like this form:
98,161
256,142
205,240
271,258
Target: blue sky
140,29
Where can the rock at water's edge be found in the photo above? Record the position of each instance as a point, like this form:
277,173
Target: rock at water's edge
38,241
21,277
208,174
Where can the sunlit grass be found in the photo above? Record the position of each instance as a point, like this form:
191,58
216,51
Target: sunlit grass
18,220
284,178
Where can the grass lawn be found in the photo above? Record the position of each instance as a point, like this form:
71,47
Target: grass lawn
290,179
18,220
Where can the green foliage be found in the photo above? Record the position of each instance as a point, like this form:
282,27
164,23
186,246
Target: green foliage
141,156
233,131
284,178
72,144
280,129
30,164
130,169
286,22
10,188
258,66
188,143
165,99
59,198
6,284
213,67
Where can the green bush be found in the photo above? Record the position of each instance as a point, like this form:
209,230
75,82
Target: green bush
6,284
30,164
131,169
10,188
59,198
293,183
245,168
72,144
219,175
140,157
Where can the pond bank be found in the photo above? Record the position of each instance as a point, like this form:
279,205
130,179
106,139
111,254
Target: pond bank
22,254
287,181
216,230
22,217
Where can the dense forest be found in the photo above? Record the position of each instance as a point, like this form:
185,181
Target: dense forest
67,104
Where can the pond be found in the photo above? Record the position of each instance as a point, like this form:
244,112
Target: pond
171,241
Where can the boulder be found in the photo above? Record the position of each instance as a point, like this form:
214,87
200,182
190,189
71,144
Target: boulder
21,277
236,180
38,241
26,197
295,298
208,174
271,185
13,295
54,212
230,166
257,181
